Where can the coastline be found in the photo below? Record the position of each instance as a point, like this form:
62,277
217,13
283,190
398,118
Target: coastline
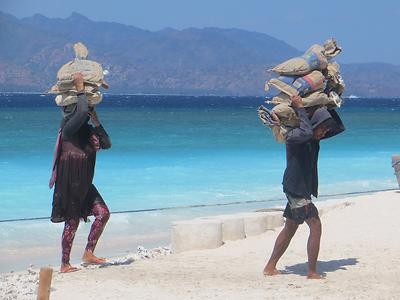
359,252
37,242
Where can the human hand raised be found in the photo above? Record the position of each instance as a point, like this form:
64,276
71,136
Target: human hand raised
297,101
78,82
94,117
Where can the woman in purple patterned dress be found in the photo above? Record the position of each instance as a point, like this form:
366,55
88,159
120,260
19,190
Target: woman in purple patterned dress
75,196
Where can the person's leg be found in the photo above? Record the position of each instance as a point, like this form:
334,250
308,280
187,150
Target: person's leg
68,236
281,244
102,214
313,246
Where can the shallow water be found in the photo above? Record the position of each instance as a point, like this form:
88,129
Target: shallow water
174,151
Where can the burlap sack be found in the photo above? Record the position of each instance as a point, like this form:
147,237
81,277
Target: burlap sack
315,98
334,79
313,59
309,83
331,48
69,98
282,86
286,113
93,76
300,86
311,86
280,98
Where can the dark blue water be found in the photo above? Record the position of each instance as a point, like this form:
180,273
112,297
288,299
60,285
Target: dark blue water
170,151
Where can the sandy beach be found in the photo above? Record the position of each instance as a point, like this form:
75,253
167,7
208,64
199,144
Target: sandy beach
359,258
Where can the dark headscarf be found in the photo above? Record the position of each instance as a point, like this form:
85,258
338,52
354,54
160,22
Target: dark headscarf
331,120
320,116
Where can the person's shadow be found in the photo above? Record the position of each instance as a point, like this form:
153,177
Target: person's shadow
323,266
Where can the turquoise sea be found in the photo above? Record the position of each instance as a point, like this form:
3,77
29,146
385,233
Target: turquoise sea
173,151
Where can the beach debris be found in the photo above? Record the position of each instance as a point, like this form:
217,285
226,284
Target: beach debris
121,261
93,75
266,116
31,271
142,253
314,76
19,285
24,285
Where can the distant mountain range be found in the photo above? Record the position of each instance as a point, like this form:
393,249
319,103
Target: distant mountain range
190,61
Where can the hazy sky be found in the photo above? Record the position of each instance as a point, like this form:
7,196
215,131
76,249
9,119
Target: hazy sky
367,30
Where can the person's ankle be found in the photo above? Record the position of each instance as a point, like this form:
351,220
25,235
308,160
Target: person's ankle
314,275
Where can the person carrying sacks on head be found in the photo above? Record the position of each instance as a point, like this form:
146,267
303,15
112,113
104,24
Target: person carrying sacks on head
79,138
300,183
312,76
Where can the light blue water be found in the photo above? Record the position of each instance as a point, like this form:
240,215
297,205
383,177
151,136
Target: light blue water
174,151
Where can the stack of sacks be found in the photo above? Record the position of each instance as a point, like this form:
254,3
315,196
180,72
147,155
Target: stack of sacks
93,76
313,76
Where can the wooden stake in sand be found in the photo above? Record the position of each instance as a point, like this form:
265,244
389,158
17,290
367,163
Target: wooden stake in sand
45,277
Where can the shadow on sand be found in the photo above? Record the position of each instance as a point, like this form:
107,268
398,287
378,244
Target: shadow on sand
323,266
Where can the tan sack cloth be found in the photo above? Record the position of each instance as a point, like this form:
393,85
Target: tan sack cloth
303,85
331,49
284,87
286,113
280,98
312,99
313,59
334,79
93,76
69,98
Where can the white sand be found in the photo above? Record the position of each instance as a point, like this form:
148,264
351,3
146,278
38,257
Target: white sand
360,256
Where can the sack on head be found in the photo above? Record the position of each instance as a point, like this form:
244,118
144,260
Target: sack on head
313,59
66,99
93,76
296,86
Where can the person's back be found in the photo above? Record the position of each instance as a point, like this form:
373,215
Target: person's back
301,174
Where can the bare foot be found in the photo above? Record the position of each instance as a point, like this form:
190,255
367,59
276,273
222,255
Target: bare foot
68,269
314,275
271,271
89,258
